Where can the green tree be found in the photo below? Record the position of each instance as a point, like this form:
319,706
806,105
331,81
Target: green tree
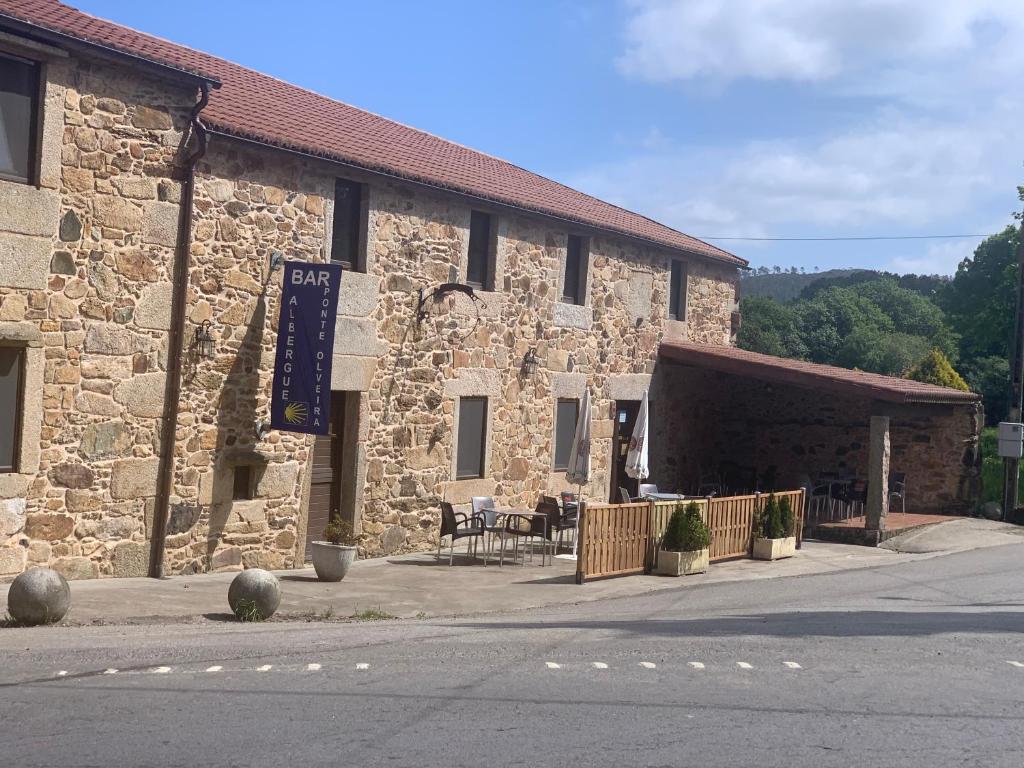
830,317
981,299
770,328
935,368
990,378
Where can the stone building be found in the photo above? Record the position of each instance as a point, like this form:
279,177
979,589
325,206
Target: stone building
148,193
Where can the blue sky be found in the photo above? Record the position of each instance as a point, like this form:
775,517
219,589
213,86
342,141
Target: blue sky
742,118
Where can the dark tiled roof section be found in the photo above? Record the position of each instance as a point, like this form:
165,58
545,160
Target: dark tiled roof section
259,107
780,370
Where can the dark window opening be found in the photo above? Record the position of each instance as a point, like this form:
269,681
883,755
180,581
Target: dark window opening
575,284
19,106
243,485
566,414
472,438
12,374
346,239
677,291
478,270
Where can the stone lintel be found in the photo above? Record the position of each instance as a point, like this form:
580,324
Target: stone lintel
629,386
568,384
474,382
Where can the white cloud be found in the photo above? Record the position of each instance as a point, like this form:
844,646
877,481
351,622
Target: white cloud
870,43
934,144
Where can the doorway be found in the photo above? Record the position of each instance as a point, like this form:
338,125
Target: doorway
332,465
625,419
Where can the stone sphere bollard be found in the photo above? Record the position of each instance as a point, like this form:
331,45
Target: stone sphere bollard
992,510
254,594
39,596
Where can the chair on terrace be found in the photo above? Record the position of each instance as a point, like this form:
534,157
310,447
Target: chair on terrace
624,495
459,525
898,489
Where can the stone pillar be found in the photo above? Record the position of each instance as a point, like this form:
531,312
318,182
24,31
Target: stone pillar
878,475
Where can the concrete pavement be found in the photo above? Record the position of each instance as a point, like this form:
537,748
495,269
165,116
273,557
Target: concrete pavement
913,662
416,585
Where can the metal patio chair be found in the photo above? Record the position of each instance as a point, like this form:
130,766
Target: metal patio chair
898,489
459,525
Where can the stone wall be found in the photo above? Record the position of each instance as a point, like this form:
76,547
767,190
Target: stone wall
85,262
708,418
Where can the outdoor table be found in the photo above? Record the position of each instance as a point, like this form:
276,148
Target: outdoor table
669,496
502,512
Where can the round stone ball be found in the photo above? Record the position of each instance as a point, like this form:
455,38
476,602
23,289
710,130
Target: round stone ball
39,596
254,594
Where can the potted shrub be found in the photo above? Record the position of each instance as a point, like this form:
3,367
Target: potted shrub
334,556
685,548
774,538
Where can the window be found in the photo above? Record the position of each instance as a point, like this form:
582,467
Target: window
12,372
677,291
478,271
243,488
346,241
19,100
566,414
574,288
472,438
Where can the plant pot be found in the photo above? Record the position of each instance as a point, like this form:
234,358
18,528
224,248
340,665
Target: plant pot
332,561
682,563
774,549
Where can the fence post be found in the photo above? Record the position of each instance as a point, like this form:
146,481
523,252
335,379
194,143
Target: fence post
650,547
580,520
754,520
800,520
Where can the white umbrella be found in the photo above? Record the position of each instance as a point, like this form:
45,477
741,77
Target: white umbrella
636,459
578,472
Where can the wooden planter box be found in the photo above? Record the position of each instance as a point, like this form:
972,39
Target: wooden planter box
774,549
682,563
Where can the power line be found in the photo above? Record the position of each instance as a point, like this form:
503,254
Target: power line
824,239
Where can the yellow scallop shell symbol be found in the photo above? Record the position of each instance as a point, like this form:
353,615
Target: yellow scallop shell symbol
295,413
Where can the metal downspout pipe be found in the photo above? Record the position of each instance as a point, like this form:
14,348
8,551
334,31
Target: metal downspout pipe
175,340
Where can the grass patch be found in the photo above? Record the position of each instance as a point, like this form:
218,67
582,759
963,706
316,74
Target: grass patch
992,467
247,610
372,614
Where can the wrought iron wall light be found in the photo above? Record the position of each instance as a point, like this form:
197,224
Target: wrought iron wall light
203,341
530,362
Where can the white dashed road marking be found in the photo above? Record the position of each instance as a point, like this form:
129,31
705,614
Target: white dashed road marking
696,665
313,667
362,666
161,670
553,665
648,664
744,665
265,668
599,665
110,671
792,665
214,668
1016,663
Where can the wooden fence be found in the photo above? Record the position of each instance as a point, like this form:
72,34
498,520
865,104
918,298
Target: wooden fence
623,539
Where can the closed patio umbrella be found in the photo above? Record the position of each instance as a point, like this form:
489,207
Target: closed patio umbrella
578,473
636,459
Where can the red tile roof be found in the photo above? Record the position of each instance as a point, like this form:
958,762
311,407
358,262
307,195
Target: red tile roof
259,107
780,370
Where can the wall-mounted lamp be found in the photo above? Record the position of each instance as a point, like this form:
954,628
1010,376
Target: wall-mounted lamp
262,429
203,340
530,362
276,260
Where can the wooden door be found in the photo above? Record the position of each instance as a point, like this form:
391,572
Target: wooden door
625,419
325,483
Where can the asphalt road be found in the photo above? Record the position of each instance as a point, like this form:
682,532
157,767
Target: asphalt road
905,665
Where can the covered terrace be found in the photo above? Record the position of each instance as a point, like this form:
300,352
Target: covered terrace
730,421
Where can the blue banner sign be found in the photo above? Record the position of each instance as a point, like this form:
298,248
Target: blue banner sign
301,397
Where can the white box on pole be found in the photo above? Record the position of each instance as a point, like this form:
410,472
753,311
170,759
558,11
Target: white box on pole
1011,440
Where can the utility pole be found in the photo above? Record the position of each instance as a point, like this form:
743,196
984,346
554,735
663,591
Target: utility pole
1011,466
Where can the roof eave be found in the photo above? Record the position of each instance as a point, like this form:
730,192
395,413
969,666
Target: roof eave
21,26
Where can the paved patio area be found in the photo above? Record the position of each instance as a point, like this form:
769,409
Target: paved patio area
894,521
418,585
